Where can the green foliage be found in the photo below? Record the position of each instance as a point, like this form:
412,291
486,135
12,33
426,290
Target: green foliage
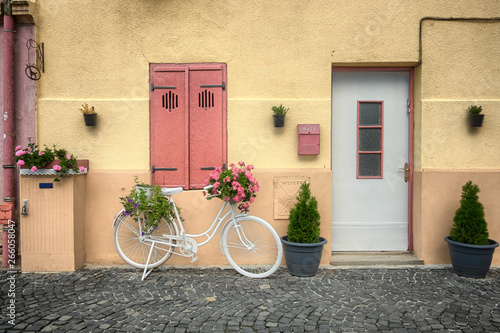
68,162
304,218
474,109
279,110
469,225
148,202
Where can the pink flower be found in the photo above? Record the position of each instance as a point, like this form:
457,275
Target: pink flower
252,199
20,152
57,167
244,206
68,157
19,148
250,167
216,184
20,162
33,169
82,169
241,163
40,153
206,182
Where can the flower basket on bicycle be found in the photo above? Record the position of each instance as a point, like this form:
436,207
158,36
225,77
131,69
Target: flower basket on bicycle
236,185
147,201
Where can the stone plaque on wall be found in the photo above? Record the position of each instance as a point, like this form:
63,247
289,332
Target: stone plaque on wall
286,191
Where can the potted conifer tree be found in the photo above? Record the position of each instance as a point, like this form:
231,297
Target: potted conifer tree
471,251
303,245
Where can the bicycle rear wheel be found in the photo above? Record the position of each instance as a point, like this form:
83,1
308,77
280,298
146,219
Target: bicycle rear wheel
134,248
252,246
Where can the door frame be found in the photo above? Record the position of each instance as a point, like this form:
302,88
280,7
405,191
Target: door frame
410,130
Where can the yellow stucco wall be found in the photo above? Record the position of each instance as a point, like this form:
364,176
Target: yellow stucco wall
460,67
279,52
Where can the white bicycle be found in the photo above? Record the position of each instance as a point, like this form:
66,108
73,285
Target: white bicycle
250,244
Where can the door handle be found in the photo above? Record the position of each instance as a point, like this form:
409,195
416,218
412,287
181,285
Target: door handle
407,171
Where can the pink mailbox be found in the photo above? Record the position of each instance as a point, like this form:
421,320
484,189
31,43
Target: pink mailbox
308,139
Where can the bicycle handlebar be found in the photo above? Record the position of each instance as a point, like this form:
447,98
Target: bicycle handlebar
208,187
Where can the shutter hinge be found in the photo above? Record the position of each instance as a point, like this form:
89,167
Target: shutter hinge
153,87
153,169
408,108
223,85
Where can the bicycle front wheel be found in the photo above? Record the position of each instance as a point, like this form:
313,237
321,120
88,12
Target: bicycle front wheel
134,248
252,246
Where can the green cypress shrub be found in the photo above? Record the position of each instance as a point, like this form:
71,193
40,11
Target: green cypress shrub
304,218
469,225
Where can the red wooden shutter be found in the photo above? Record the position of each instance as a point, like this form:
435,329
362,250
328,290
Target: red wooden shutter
169,134
206,123
188,123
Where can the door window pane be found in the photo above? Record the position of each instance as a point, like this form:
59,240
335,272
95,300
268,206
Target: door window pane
370,114
370,139
369,165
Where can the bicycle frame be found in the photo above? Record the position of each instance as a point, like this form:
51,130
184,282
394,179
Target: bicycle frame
183,237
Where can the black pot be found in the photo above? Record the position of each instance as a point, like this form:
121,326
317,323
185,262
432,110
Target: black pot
469,260
90,119
302,259
476,120
279,120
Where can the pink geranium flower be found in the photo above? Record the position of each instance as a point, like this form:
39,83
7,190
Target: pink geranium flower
20,162
68,157
57,167
235,184
33,169
82,169
19,148
20,152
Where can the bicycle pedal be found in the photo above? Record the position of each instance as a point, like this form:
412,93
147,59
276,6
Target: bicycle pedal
193,259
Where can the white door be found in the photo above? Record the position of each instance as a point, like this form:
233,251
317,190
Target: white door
370,144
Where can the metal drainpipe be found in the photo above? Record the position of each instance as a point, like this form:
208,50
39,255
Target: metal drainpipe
8,116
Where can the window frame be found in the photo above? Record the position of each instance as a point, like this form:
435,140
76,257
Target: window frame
379,152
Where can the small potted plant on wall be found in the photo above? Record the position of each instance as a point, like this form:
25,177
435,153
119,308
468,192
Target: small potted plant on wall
471,251
89,115
303,245
475,116
279,115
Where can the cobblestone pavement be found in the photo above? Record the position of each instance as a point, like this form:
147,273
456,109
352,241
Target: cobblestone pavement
113,299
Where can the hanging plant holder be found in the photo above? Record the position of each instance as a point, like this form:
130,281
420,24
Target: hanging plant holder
90,119
279,120
476,120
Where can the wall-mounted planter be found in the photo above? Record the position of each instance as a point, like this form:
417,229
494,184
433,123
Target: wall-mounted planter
279,120
90,119
476,120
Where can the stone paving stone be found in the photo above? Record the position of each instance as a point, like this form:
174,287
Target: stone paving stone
420,299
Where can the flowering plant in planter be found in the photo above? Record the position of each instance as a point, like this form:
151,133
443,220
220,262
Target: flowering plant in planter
148,201
34,158
236,184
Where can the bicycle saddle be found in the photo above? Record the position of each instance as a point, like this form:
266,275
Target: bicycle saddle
171,190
